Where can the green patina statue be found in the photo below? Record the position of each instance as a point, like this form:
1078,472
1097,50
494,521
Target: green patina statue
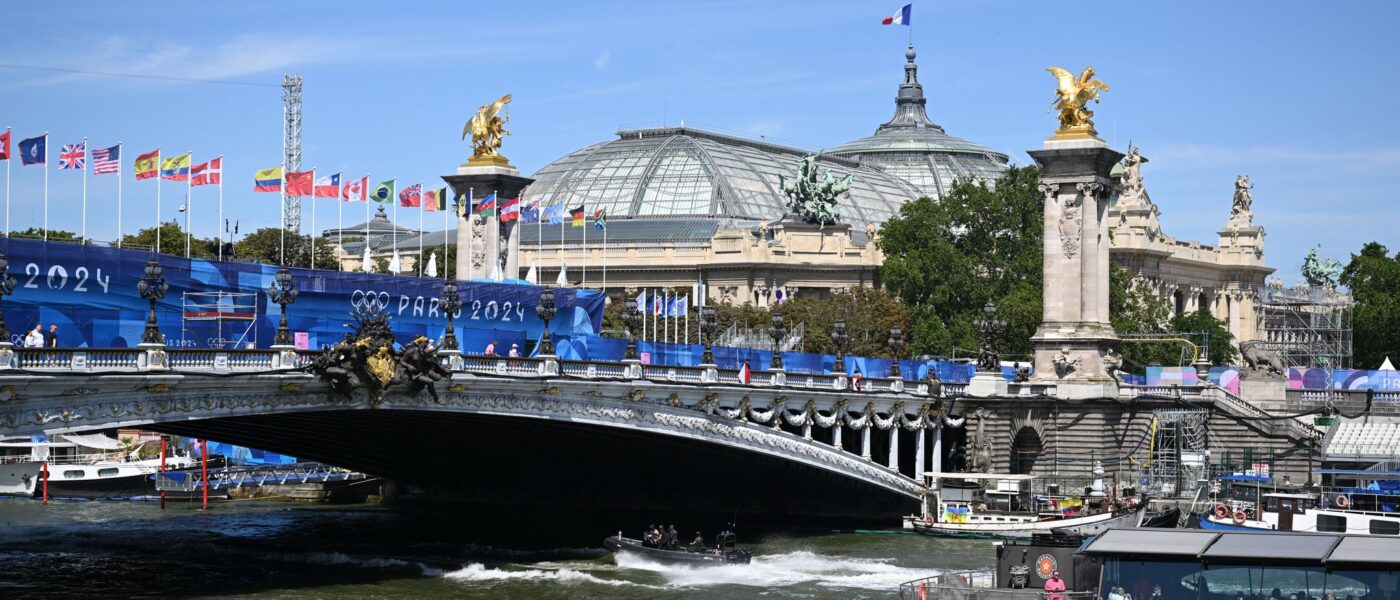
813,197
1320,272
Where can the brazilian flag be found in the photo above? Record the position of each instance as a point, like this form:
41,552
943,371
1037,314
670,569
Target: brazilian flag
384,192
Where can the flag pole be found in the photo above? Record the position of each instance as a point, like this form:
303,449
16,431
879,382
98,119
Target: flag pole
85,170
640,309
282,259
419,263
220,224
395,226
584,284
9,158
539,241
46,186
496,237
119,195
605,253
340,217
687,319
446,222
311,239
189,201
364,197
158,178
562,207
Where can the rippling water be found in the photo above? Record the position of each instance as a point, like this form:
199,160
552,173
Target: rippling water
264,550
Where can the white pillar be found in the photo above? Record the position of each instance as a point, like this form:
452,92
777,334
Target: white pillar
839,427
865,441
919,453
937,462
893,463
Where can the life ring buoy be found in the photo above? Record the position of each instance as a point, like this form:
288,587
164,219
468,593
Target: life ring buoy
1221,511
928,520
1240,517
1341,501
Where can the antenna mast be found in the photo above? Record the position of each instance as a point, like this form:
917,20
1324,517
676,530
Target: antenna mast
291,147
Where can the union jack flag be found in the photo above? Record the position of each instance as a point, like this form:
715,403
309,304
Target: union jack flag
72,156
106,161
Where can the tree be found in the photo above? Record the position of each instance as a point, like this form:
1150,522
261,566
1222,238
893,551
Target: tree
37,233
172,241
1135,311
265,246
1373,276
1221,347
869,314
945,259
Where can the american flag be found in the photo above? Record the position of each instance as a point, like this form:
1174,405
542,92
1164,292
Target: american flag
72,156
106,161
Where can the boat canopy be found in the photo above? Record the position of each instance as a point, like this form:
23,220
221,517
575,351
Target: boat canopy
1255,478
1255,547
93,440
996,476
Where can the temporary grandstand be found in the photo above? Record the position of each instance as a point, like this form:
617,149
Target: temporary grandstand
1309,326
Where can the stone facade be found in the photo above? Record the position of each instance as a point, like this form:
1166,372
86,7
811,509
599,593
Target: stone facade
1225,278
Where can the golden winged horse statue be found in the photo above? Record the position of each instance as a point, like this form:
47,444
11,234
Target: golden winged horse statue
1071,95
487,128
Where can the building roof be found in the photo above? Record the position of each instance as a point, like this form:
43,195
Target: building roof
1255,547
914,148
688,172
1174,542
626,231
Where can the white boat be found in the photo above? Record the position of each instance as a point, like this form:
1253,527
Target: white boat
997,506
1285,511
75,471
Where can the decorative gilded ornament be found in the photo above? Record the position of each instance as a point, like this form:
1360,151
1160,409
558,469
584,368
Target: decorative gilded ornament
381,366
1071,96
487,130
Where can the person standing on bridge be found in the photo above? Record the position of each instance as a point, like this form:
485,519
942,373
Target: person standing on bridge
51,338
490,349
35,337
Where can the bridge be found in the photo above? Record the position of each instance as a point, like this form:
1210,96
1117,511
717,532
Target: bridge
549,436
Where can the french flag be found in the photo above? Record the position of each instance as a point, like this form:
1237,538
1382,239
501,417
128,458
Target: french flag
901,17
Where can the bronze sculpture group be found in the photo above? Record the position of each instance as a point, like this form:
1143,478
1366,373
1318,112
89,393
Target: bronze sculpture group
367,360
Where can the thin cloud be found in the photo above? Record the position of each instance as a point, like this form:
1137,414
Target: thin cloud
601,63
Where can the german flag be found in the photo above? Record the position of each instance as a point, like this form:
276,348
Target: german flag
577,215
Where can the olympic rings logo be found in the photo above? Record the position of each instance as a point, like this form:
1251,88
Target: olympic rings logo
369,299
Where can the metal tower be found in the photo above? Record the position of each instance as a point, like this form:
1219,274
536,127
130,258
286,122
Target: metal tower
291,147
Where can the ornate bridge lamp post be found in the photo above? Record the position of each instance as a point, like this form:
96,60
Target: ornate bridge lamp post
707,333
776,331
631,317
152,287
450,304
7,287
989,359
282,292
839,337
545,311
896,343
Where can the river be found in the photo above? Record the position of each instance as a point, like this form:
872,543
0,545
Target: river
265,550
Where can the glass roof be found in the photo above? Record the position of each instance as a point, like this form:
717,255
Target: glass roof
678,171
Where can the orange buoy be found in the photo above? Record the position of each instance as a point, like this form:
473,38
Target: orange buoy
1221,511
1240,517
1341,501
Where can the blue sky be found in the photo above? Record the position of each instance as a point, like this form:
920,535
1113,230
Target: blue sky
1298,95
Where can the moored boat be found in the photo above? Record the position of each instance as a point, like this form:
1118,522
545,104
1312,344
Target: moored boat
996,506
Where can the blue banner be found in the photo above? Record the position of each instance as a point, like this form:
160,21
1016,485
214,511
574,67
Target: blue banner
90,293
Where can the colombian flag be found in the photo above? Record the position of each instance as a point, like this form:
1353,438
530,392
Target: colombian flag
146,164
175,168
268,180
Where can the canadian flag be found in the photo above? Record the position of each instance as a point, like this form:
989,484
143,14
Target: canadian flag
745,374
355,189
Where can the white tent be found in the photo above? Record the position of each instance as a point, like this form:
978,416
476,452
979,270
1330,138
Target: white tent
1386,366
531,276
431,271
563,279
368,261
395,263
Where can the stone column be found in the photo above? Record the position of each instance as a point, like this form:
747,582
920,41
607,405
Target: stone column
865,440
1075,331
919,436
479,236
893,462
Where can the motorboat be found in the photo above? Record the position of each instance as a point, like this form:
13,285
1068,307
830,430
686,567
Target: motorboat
1257,503
1001,506
1022,568
723,552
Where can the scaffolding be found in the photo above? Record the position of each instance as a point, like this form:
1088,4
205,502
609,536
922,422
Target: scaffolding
227,318
1179,457
291,148
1308,326
757,338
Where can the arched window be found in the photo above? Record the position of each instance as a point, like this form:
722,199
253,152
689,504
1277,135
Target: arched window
1180,300
1025,450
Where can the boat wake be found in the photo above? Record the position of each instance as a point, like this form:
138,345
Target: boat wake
479,573
337,558
778,570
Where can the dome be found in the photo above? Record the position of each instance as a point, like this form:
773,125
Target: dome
686,172
918,151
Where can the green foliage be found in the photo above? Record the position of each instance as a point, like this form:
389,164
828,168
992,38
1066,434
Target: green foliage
172,241
1373,276
946,258
1221,343
37,233
869,314
265,246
